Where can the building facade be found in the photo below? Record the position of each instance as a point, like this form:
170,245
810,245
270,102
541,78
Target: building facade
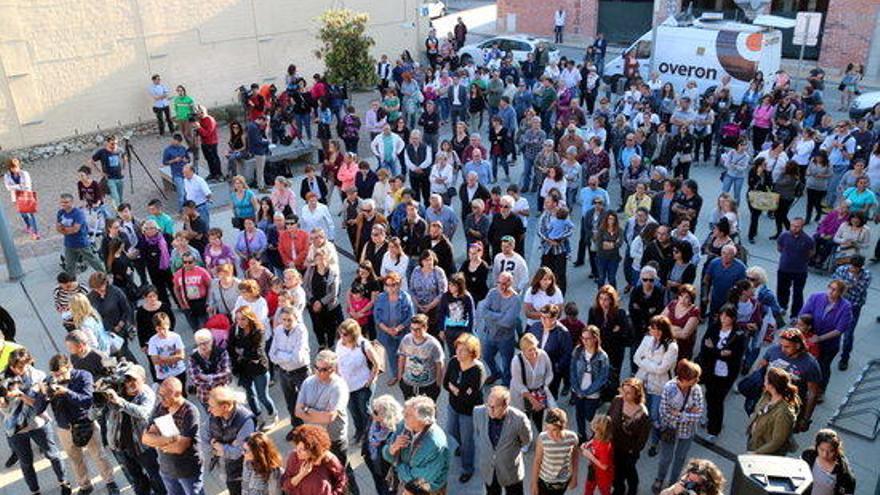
850,29
70,67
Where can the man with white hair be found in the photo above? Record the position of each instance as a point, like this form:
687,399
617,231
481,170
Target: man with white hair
419,449
481,166
323,400
229,426
418,157
385,147
722,274
506,224
470,190
437,211
500,434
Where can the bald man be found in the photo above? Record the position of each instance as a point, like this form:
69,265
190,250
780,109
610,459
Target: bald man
180,465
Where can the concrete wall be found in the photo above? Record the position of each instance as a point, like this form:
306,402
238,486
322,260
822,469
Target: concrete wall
536,17
73,66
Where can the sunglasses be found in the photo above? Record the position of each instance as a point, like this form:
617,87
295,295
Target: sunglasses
322,369
648,280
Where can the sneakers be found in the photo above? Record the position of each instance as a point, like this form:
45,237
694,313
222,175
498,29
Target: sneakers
112,488
843,364
710,438
65,488
652,451
657,487
85,490
11,461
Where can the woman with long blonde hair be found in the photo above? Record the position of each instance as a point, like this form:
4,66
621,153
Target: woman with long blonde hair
87,319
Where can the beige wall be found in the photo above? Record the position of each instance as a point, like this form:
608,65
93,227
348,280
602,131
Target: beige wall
73,66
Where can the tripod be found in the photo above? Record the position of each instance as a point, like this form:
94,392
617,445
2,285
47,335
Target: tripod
129,151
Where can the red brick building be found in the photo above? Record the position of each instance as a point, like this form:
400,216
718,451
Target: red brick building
851,28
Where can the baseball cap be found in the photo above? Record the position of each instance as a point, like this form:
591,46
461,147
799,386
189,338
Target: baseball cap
507,238
136,371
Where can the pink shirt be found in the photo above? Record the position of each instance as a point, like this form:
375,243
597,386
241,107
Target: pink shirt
193,283
763,116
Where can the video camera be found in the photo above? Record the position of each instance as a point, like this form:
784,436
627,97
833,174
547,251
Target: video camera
51,384
115,381
7,384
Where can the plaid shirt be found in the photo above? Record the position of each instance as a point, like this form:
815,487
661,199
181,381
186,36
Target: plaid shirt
563,245
673,415
205,382
856,286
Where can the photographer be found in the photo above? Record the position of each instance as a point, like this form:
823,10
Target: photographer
128,415
228,428
701,477
69,391
25,419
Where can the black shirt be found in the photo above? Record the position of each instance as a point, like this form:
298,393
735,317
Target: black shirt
469,383
476,281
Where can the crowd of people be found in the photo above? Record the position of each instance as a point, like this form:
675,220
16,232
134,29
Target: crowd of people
530,368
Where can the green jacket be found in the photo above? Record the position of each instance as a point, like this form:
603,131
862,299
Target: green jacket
427,458
771,432
493,96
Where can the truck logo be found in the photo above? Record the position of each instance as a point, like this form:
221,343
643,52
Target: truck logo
688,70
738,53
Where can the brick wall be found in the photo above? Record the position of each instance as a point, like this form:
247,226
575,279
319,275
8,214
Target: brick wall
536,17
849,27
74,66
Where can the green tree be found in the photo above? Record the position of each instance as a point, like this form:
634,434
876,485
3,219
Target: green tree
346,48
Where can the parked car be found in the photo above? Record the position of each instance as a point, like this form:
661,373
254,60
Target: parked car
436,8
518,46
863,104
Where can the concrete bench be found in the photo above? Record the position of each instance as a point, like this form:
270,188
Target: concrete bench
283,156
167,181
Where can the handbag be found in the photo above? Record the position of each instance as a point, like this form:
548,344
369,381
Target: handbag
81,433
764,200
540,393
668,433
26,201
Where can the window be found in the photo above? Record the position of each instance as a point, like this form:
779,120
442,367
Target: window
520,46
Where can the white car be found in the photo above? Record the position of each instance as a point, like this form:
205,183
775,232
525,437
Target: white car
519,46
436,8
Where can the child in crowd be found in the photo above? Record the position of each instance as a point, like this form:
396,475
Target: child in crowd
598,451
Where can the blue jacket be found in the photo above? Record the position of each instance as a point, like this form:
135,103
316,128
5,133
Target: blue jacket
600,369
426,458
73,407
382,309
767,298
558,347
256,139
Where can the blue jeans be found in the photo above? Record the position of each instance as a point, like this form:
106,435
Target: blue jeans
30,221
179,190
734,183
461,427
607,271
525,184
585,410
183,486
837,172
391,344
443,107
653,403
753,349
500,160
491,348
20,445
304,124
257,387
848,336
672,458
116,187
393,166
359,407
205,212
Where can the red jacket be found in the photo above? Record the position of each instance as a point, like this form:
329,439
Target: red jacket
287,241
208,130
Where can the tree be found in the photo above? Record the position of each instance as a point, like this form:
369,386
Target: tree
345,48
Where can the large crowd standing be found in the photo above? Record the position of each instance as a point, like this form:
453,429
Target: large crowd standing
527,368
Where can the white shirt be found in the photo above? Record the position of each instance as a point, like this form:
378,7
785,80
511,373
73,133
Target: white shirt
352,364
159,90
571,77
260,308
290,348
167,347
803,149
455,100
441,178
775,165
540,299
559,18
389,266
320,217
516,265
196,189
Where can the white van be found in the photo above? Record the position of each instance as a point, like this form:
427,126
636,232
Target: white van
705,49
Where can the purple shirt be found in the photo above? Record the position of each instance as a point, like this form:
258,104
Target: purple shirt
837,317
794,252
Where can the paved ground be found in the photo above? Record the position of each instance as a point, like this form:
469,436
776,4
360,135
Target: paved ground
29,302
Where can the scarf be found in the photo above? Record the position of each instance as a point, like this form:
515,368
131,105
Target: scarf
159,242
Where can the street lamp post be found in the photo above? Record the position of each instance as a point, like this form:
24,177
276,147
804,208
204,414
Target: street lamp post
13,263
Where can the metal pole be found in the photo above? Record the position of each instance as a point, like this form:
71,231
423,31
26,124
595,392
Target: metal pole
13,263
801,55
654,23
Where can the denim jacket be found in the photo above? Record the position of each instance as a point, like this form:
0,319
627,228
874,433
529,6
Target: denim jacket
382,309
140,408
768,299
600,369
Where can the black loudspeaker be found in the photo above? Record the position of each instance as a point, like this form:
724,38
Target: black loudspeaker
769,474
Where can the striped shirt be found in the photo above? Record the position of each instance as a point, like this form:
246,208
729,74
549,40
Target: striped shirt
556,463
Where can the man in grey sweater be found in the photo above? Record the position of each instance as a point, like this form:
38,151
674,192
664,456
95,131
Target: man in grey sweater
501,310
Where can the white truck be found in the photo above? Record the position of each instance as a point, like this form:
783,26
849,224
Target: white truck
706,49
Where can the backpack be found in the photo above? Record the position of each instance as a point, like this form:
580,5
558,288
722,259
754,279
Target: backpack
378,352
